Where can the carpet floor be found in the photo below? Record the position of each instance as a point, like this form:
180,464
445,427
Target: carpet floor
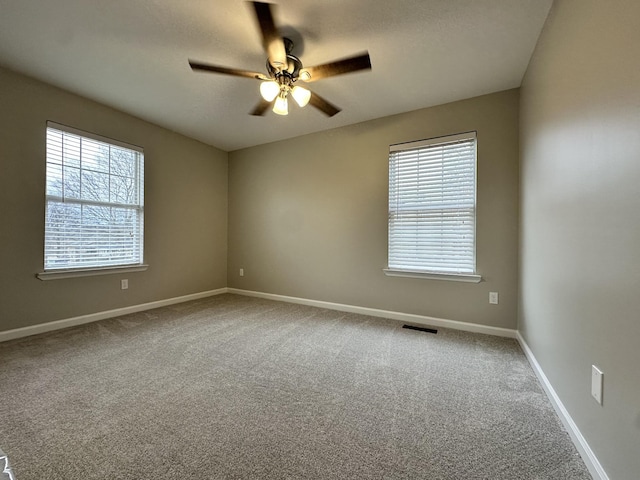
232,387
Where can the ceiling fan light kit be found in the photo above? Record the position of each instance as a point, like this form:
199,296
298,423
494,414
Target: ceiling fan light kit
284,69
271,89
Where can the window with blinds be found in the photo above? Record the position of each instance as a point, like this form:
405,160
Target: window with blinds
432,206
94,201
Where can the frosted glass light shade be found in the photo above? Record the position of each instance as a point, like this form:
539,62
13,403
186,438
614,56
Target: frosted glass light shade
269,90
281,106
301,95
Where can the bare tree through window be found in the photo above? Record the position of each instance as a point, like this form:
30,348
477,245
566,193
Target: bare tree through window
94,215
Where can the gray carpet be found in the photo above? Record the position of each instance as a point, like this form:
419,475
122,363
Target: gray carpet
238,387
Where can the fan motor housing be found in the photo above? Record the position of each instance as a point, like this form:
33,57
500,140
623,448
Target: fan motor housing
294,65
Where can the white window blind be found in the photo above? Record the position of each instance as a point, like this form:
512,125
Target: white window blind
432,205
94,201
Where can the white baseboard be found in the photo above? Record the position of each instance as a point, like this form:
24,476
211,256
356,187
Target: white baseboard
374,312
403,317
94,317
589,458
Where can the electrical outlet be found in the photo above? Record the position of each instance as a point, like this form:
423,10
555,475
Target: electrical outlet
124,284
597,378
493,298
242,272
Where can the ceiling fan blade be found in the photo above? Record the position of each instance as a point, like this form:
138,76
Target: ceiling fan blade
205,67
321,104
339,67
271,38
261,108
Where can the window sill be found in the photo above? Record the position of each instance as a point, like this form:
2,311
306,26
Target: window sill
454,277
88,272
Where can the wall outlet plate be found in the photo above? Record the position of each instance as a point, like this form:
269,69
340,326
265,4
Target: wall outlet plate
124,284
596,383
493,298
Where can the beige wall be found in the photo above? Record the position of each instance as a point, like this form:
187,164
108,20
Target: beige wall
185,209
308,216
580,260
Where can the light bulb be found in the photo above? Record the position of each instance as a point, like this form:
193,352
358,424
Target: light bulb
281,106
269,90
301,95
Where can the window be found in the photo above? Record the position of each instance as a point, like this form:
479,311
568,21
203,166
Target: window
432,208
94,202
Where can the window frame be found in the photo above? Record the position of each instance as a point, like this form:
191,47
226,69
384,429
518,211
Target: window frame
415,271
69,271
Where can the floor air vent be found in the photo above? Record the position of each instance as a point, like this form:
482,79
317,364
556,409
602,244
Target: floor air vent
420,329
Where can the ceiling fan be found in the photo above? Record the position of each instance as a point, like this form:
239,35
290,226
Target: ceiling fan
284,69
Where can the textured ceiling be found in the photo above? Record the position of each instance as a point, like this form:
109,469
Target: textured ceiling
132,55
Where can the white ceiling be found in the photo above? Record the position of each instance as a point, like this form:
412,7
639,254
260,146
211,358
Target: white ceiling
132,55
